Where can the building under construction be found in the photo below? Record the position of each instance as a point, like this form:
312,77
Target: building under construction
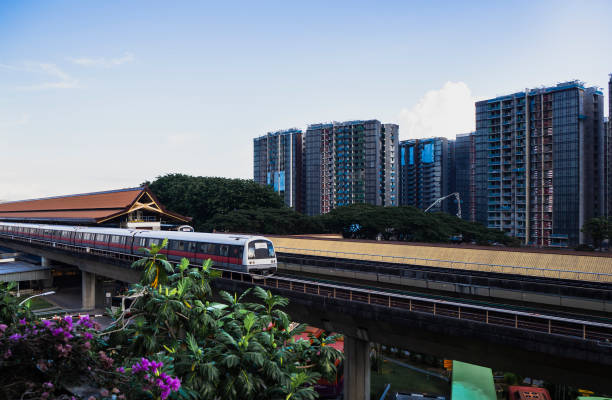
277,162
465,157
427,173
540,163
350,162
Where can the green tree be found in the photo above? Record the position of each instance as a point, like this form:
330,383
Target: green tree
598,229
203,198
10,310
231,350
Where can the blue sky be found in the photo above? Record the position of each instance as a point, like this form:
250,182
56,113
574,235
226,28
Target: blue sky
101,95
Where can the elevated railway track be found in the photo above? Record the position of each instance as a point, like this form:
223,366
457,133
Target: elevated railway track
541,343
591,296
591,329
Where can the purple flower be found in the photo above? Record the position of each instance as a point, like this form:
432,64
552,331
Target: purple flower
88,335
3,327
121,370
15,337
22,321
46,323
153,375
85,321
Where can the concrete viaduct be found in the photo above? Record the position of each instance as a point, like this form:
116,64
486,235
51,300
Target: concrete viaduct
533,346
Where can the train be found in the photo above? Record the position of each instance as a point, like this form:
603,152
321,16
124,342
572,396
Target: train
242,253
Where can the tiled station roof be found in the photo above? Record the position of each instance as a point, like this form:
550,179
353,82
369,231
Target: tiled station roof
93,208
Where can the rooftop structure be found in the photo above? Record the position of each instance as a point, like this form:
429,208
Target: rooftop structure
128,208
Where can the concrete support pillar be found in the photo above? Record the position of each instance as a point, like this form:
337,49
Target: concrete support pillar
88,290
356,369
91,291
46,283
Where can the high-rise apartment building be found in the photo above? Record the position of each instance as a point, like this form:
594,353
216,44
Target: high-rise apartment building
465,157
350,162
426,171
539,163
278,163
608,130
408,172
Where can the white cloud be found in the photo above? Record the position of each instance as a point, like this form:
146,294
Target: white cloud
102,61
61,79
444,112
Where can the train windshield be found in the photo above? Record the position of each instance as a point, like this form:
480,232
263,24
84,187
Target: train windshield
259,249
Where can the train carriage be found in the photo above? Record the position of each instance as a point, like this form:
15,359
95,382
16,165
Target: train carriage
111,239
244,253
237,252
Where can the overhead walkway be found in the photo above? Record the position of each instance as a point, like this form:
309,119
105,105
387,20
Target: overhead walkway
579,266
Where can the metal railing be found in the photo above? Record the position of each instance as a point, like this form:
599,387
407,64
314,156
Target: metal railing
550,324
542,323
464,265
143,219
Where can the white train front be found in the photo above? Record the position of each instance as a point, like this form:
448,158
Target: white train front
252,254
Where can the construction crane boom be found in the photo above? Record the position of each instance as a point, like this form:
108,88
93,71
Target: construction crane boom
438,201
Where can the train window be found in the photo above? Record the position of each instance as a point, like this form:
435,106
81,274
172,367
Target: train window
141,242
155,242
192,247
261,249
236,251
223,250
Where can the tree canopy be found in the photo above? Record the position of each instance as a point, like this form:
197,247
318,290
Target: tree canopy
598,229
203,198
238,205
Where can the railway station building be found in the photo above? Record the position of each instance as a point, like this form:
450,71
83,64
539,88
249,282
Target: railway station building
135,208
